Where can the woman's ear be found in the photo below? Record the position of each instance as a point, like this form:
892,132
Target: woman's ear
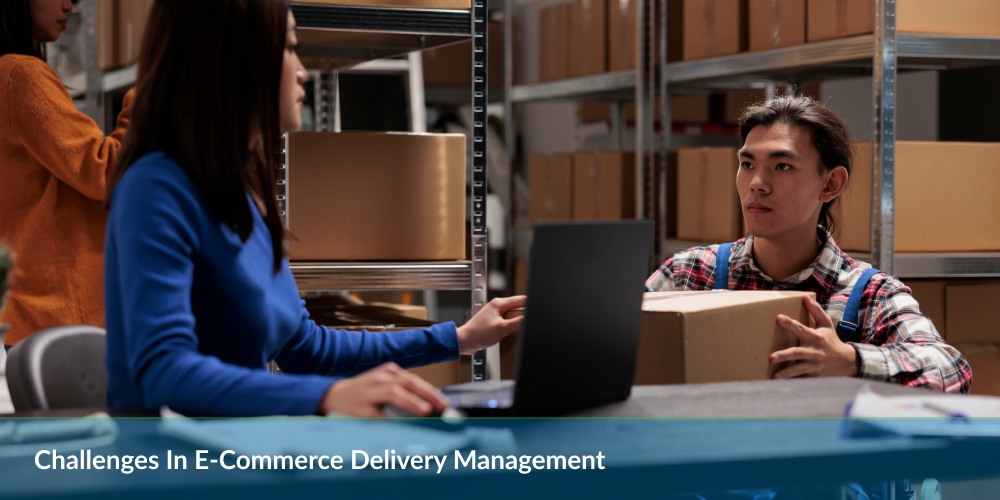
836,181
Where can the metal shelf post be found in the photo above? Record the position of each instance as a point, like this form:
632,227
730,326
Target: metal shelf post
479,101
884,135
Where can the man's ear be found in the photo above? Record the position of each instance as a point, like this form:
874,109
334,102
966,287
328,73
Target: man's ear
836,181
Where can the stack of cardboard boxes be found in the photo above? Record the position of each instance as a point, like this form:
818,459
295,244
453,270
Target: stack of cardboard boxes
120,28
962,312
598,185
586,37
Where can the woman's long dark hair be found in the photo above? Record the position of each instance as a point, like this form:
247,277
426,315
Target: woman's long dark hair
15,30
209,78
830,136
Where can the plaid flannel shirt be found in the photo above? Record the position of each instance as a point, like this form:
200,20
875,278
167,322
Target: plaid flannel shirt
899,344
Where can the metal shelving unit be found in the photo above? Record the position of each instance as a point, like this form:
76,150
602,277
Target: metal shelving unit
883,55
336,37
362,38
634,85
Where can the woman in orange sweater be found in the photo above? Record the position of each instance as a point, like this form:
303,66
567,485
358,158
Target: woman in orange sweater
52,167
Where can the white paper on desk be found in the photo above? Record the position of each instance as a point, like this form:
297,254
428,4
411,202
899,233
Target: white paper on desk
924,416
326,436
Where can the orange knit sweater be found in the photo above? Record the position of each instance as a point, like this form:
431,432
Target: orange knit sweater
53,160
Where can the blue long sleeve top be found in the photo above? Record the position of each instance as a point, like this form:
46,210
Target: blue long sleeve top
194,314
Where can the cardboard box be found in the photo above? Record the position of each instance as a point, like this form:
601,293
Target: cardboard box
930,294
954,17
553,43
419,4
106,43
603,185
621,18
508,348
961,309
708,205
714,28
701,337
830,19
520,278
970,313
777,23
985,363
621,34
588,38
451,65
551,182
687,109
440,374
132,28
947,224
376,196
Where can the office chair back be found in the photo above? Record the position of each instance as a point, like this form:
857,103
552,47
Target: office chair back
57,368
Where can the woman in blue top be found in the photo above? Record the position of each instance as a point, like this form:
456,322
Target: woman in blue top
199,296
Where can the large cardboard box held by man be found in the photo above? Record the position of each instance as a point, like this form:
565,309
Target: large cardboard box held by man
700,337
376,196
945,198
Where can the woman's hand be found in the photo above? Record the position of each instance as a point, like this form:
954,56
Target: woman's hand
488,326
821,353
365,394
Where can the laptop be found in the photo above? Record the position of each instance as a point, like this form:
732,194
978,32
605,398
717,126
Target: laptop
580,333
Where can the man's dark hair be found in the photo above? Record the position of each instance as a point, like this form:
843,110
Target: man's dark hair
828,132
15,30
209,78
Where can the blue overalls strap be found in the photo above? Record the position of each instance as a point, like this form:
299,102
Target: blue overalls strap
848,329
722,266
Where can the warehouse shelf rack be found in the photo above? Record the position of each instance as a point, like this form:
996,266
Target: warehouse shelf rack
883,55
636,85
337,37
355,38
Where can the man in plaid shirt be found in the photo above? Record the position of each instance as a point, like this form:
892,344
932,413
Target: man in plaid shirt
795,162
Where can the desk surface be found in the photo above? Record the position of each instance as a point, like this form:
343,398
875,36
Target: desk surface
798,398
674,454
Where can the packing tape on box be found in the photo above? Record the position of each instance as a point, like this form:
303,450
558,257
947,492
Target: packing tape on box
841,18
775,24
710,27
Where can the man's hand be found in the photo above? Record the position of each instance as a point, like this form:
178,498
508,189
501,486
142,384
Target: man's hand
364,395
820,353
488,326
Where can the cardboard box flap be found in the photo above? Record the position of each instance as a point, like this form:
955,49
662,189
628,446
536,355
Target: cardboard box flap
692,302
